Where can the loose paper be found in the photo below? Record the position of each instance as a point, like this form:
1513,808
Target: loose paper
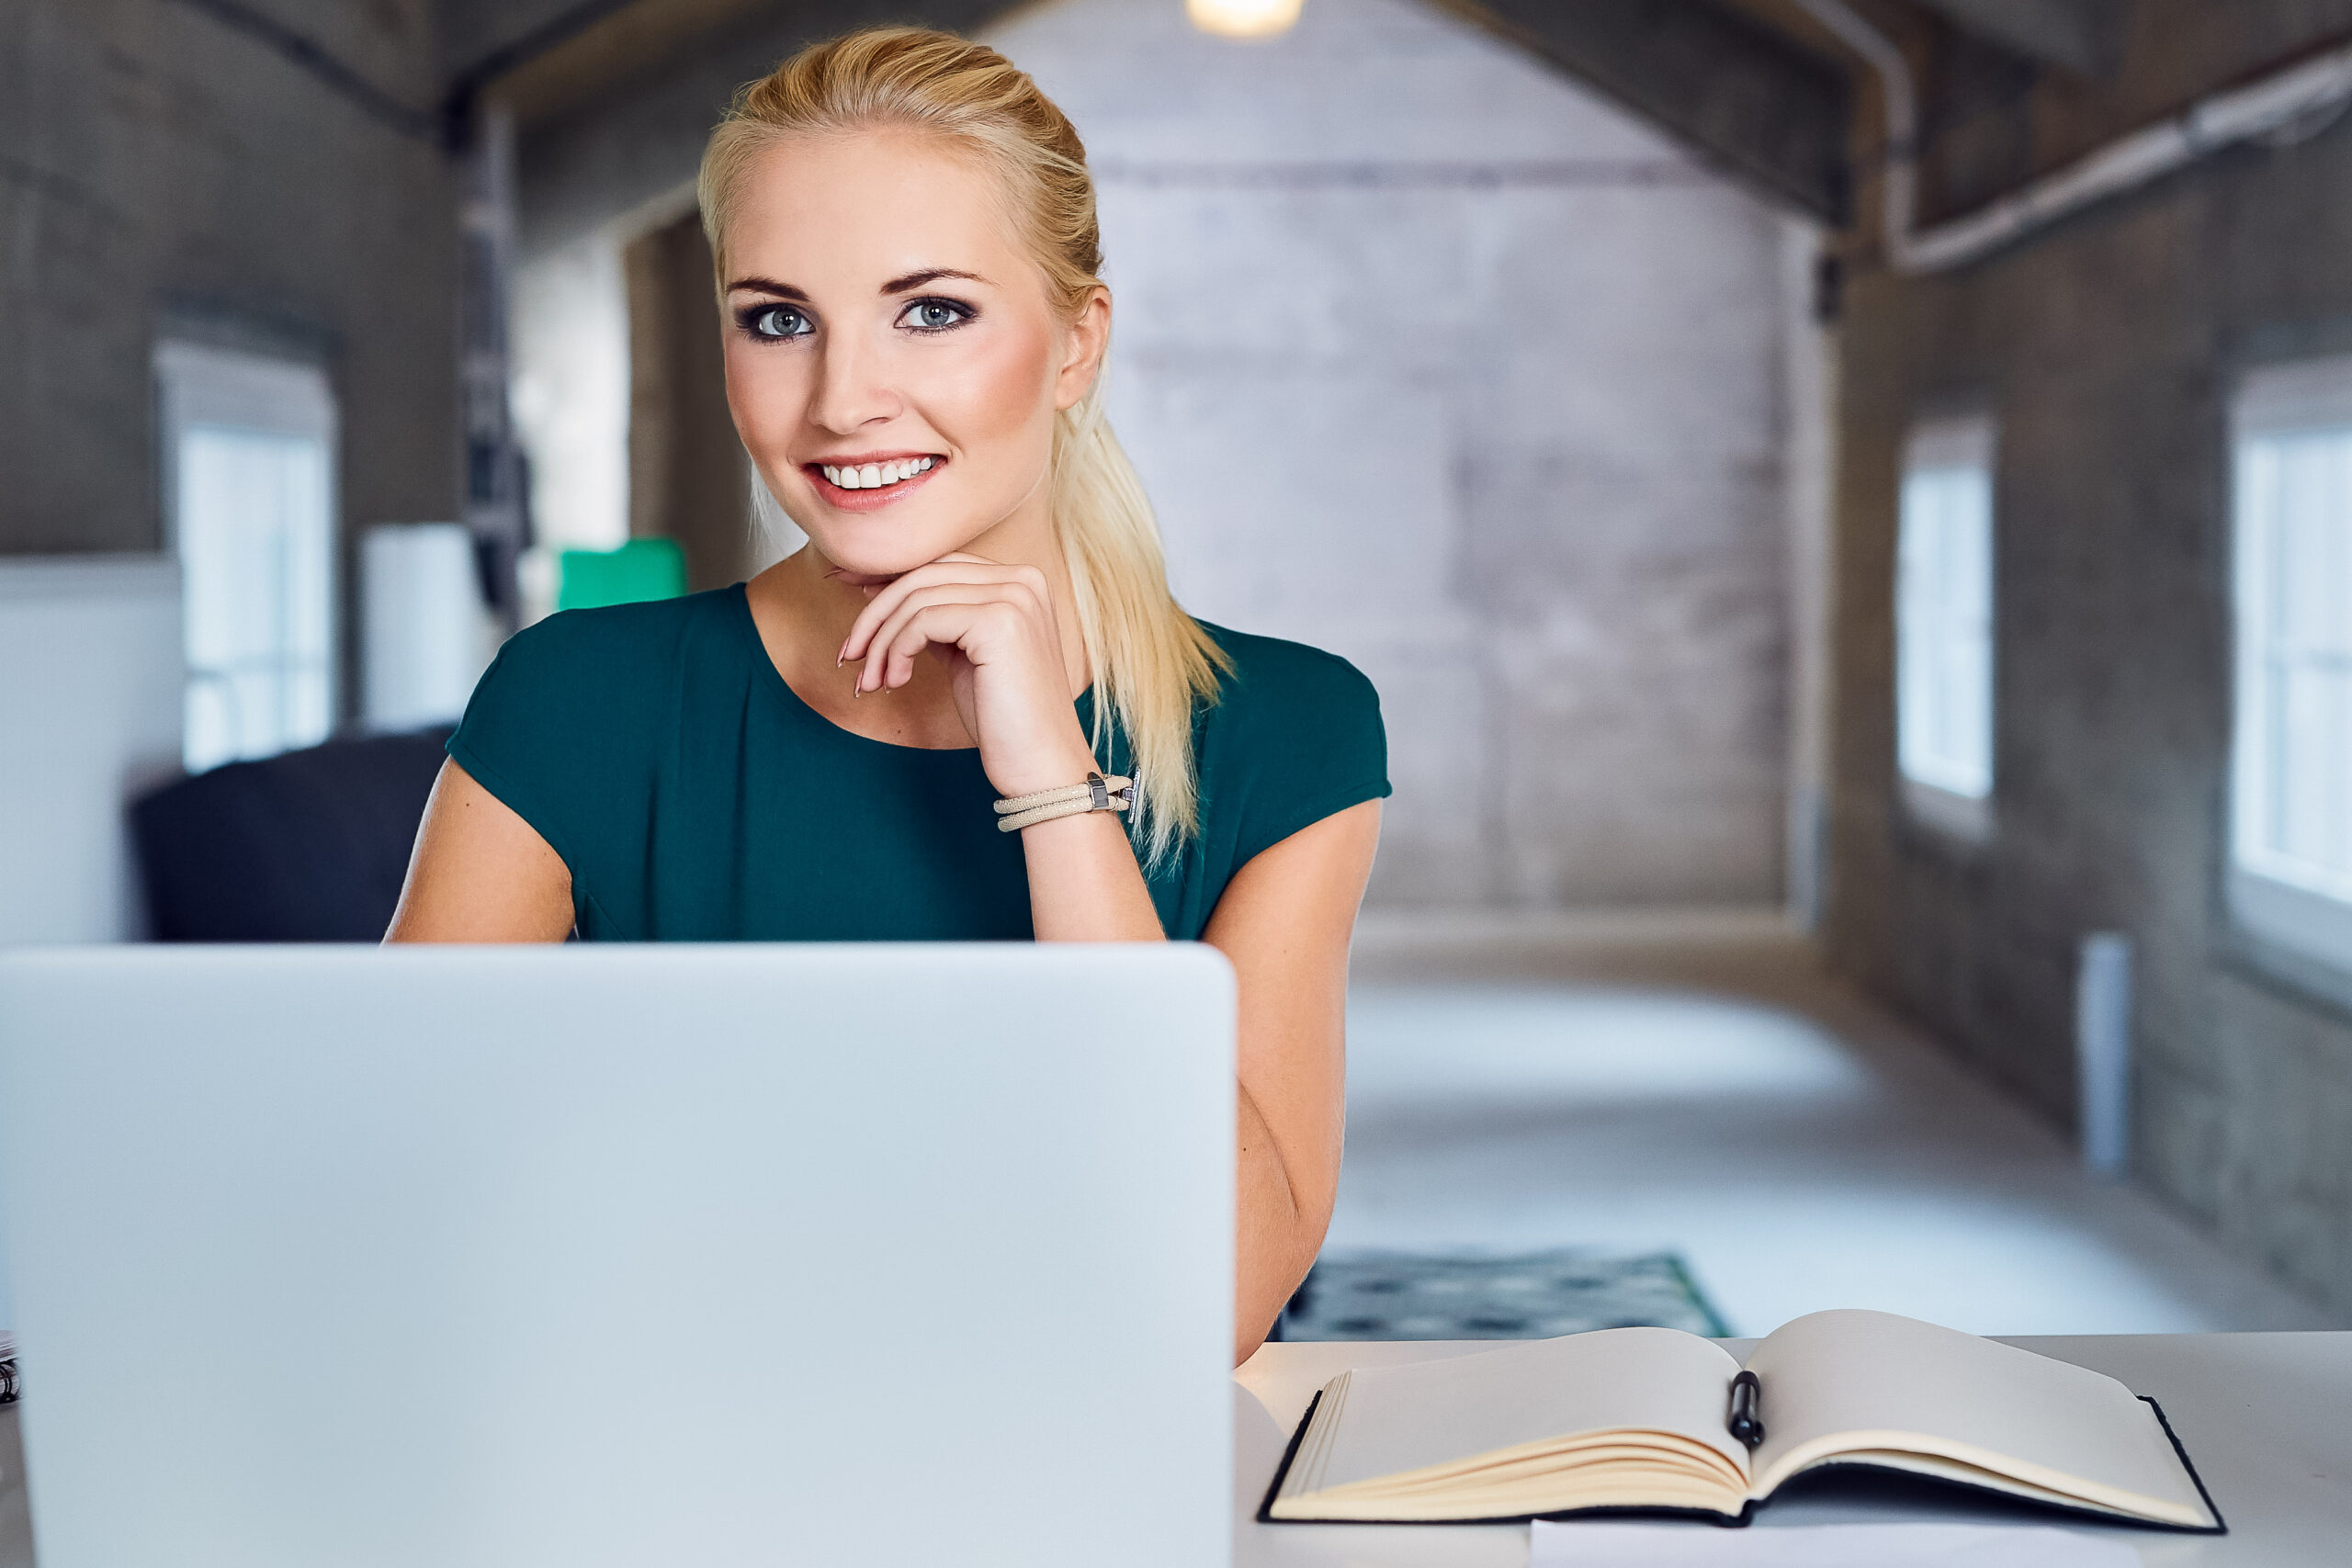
1572,1544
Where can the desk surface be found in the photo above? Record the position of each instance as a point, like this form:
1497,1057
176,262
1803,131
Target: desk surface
2268,1418
2265,1416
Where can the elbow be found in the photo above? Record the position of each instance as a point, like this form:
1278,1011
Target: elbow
1272,1273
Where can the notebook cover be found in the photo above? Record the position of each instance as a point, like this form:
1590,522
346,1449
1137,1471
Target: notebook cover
2220,1526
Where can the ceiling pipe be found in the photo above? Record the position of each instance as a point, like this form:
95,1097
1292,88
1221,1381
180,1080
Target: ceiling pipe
2285,105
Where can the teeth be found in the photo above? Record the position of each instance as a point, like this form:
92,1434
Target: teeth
873,476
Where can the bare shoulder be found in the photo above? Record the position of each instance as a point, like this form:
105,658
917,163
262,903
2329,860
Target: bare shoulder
1305,887
480,872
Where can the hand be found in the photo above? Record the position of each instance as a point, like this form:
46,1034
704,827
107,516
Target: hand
992,626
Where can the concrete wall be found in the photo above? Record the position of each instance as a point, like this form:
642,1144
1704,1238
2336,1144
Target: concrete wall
2108,348
1435,358
159,170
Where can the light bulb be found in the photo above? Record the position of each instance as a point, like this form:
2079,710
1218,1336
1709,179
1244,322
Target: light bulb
1243,18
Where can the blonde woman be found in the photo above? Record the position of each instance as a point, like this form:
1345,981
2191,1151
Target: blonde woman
915,331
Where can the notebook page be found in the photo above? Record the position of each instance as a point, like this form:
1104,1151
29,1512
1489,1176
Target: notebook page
1432,1413
1836,1373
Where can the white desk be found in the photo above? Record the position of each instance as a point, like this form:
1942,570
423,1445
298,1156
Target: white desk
2267,1417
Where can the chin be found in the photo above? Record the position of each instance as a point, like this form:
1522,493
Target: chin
877,549
893,540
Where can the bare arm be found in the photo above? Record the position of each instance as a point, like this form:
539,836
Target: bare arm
480,872
1284,921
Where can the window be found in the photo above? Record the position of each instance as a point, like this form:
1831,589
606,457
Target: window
249,500
1943,625
2291,798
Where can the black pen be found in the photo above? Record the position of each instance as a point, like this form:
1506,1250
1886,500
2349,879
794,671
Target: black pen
1745,1423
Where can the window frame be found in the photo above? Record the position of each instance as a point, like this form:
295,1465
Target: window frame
202,386
1947,805
2298,914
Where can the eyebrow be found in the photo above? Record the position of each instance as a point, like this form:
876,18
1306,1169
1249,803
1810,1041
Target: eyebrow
767,286
913,280
929,275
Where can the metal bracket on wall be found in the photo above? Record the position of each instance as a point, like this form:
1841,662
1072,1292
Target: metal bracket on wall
2286,104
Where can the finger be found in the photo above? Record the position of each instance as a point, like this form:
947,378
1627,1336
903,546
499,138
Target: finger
934,625
1028,580
955,629
885,599
875,675
957,566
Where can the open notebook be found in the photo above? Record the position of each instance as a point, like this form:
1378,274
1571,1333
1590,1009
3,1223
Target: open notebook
1641,1418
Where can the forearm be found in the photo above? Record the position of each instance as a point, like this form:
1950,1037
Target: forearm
1277,1231
1284,921
1084,884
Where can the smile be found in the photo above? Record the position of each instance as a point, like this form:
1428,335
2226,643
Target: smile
875,476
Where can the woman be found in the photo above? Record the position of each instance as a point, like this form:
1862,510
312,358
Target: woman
905,235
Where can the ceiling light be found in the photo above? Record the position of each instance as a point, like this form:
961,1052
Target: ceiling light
1243,18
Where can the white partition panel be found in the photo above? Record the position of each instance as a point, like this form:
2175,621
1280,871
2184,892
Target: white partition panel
90,699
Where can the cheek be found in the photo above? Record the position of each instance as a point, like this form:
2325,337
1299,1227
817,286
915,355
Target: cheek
1000,393
766,392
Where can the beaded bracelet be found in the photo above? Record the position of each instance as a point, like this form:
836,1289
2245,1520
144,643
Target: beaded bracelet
1097,793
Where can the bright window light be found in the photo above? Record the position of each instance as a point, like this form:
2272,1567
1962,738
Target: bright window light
1243,18
2291,797
1943,612
249,464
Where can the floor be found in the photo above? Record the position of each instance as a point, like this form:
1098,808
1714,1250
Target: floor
1694,1082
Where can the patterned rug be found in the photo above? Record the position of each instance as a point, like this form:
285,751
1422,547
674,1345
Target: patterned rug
1398,1295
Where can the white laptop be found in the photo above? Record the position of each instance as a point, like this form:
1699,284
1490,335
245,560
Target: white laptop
476,1257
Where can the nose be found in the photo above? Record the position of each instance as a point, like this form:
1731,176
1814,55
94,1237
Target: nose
851,390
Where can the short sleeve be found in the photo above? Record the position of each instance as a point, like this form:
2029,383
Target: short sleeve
547,730
1302,740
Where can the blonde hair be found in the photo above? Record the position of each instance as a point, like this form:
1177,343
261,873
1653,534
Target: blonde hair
1151,661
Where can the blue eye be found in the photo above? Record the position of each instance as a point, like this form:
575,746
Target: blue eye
935,315
776,322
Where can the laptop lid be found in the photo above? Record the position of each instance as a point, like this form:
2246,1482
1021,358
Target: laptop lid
719,1255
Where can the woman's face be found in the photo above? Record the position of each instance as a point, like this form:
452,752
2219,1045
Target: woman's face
893,362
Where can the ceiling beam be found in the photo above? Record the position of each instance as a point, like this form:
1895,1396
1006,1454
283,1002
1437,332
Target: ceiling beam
618,118
1744,96
2081,35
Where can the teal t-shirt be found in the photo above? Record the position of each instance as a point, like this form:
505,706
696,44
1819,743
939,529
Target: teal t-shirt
696,798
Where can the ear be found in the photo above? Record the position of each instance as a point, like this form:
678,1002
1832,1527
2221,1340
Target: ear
1087,340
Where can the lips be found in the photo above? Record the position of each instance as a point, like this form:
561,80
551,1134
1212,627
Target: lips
859,482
